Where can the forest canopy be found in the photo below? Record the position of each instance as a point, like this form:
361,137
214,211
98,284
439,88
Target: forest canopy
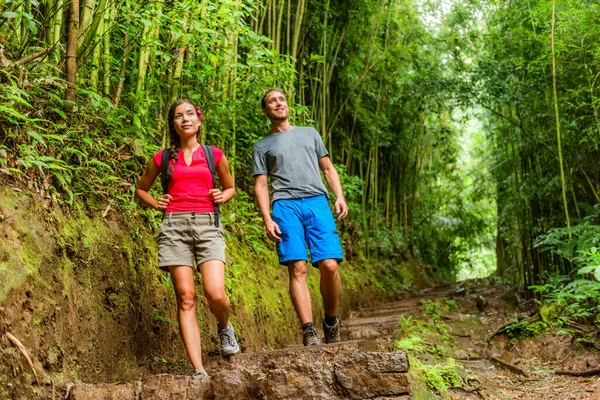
465,132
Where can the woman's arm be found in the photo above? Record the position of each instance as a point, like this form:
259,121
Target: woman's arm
144,185
218,196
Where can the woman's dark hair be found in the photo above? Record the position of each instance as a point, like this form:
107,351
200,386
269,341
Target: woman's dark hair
175,142
263,101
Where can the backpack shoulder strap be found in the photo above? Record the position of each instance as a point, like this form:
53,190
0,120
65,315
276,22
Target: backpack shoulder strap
164,165
210,160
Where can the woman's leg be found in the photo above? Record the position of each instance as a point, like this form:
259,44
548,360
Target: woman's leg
183,282
213,282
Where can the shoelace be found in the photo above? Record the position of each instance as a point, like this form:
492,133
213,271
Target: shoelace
310,332
226,337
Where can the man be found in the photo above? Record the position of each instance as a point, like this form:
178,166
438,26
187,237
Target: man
292,156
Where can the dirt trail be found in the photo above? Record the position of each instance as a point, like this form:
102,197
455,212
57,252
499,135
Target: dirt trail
489,369
366,365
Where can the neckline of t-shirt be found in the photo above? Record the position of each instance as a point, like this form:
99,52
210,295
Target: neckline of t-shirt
193,154
287,130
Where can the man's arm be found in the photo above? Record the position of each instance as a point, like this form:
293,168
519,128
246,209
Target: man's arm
333,181
261,189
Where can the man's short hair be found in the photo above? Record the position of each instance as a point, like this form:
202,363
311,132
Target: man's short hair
263,102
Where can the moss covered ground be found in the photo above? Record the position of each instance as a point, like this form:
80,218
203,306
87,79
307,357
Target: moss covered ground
80,289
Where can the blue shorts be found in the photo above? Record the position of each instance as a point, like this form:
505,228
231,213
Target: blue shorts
306,221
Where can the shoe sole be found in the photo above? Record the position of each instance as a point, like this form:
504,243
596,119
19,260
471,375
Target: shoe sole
231,352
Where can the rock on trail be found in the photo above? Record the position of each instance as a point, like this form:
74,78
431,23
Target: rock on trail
348,370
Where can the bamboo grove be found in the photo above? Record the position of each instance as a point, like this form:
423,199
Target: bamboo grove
86,86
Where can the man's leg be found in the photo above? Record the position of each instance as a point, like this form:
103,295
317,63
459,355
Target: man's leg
299,290
301,300
330,285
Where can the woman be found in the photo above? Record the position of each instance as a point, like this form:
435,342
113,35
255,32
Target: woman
188,232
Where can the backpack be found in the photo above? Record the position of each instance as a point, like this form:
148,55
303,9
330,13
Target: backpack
210,159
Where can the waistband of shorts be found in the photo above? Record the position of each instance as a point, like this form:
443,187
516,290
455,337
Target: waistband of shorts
210,217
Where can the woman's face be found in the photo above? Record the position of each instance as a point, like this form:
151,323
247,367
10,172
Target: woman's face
186,120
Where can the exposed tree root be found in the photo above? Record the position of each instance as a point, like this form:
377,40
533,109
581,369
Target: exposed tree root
509,366
590,372
20,346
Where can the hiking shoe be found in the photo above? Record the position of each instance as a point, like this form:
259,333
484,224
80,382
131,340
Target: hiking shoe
200,373
229,346
310,336
332,333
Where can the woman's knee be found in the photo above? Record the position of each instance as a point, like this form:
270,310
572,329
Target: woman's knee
215,295
186,299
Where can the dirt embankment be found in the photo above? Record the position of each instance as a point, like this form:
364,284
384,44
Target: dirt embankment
80,290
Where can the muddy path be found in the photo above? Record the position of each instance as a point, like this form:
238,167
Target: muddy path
369,363
489,367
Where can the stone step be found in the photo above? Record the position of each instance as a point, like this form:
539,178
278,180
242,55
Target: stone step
411,309
355,370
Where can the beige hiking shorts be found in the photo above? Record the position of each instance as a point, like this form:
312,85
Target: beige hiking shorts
190,237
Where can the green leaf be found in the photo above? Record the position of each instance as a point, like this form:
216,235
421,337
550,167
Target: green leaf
36,136
9,14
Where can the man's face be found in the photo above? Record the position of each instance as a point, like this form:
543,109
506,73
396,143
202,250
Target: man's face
276,108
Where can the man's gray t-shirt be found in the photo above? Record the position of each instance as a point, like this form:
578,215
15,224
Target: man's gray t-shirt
291,159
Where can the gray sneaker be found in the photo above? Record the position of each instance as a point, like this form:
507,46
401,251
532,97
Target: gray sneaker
310,336
229,346
200,373
332,333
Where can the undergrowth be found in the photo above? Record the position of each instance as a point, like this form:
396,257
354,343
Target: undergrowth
427,344
572,301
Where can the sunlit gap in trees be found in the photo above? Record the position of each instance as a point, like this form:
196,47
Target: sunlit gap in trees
477,197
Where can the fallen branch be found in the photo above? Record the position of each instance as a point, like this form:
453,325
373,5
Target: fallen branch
30,58
20,346
476,390
590,372
509,366
503,329
499,331
460,335
8,64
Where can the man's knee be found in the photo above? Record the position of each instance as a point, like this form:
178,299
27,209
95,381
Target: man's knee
298,270
328,267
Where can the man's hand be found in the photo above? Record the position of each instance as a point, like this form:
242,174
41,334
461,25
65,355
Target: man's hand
272,230
341,208
163,202
216,196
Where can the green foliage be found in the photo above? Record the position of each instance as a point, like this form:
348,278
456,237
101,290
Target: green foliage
574,297
439,374
439,378
523,329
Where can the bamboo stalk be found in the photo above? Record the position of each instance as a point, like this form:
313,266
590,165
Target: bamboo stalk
122,71
57,26
71,59
96,60
297,25
558,138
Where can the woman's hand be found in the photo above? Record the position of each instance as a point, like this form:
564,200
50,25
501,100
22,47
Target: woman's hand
216,196
163,202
